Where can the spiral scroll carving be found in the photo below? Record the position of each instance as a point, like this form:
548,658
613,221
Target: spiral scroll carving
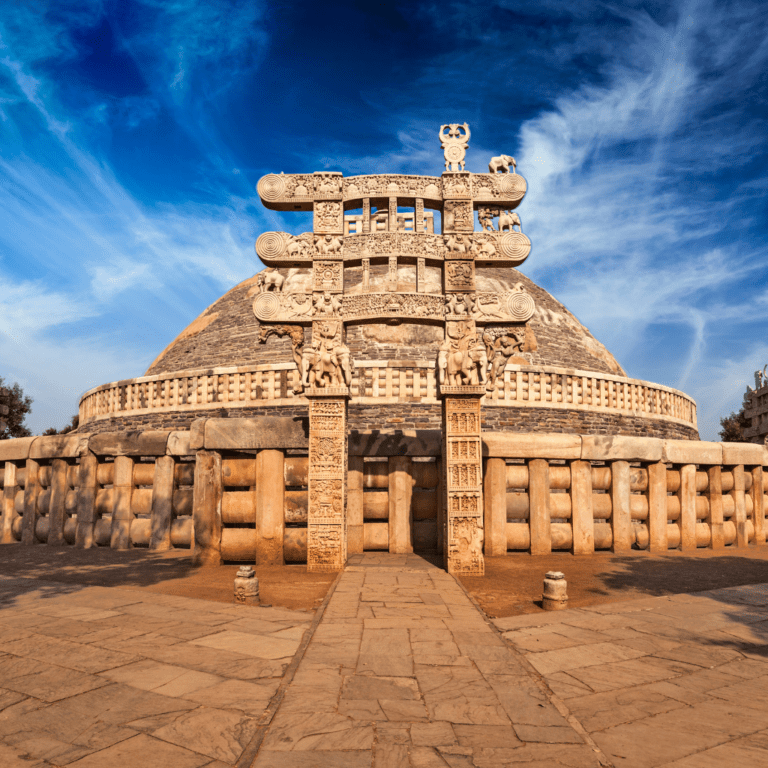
520,306
271,187
270,245
512,185
515,245
266,306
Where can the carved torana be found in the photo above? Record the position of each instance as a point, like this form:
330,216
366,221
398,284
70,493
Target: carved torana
388,231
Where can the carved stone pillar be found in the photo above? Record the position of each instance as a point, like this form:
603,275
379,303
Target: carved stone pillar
421,275
366,274
392,274
463,479
393,214
327,520
418,219
366,215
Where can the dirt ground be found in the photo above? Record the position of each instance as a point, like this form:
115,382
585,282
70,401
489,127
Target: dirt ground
512,585
171,573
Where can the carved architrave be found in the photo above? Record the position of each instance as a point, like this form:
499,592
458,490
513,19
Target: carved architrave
329,218
458,216
515,306
460,276
421,306
424,187
326,518
328,276
462,462
412,244
507,188
283,307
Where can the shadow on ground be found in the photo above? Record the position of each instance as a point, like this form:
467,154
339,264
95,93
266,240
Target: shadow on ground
169,572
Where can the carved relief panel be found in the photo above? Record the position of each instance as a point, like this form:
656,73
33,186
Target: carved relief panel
328,218
328,276
458,216
460,276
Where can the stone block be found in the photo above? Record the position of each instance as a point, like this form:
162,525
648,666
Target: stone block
59,446
427,442
514,445
16,449
691,452
179,444
197,435
256,434
742,453
613,447
150,443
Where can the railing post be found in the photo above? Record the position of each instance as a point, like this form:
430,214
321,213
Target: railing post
400,514
582,516
495,498
31,492
621,516
57,509
657,507
162,503
206,508
8,511
270,507
739,506
86,501
687,495
355,527
715,496
122,514
539,515
758,511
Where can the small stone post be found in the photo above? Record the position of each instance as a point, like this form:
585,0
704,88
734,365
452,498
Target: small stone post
463,468
554,596
246,586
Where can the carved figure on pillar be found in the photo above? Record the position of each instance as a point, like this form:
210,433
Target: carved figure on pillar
268,279
326,303
508,220
501,164
499,349
462,358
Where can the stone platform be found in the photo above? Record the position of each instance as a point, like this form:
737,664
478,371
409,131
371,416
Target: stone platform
397,668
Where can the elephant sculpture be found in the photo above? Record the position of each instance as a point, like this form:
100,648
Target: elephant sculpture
509,220
502,164
268,279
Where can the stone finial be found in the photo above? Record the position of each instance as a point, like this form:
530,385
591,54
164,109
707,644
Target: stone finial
454,144
246,586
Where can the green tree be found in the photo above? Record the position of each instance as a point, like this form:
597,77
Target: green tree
18,407
73,422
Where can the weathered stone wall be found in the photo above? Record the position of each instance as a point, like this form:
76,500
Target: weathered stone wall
425,416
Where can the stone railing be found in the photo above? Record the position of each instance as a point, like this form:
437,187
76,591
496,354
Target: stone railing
237,489
385,381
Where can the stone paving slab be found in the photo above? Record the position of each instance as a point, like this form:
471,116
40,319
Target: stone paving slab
669,681
100,677
403,670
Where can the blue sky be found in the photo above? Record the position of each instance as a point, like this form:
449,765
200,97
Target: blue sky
132,135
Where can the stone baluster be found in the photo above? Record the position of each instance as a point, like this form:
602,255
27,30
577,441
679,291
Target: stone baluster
657,507
270,507
539,516
8,511
758,511
400,513
715,497
355,528
737,493
86,501
686,493
57,513
31,492
163,486
122,513
495,500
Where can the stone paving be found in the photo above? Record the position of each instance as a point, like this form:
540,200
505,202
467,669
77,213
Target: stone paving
99,677
401,670
668,681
